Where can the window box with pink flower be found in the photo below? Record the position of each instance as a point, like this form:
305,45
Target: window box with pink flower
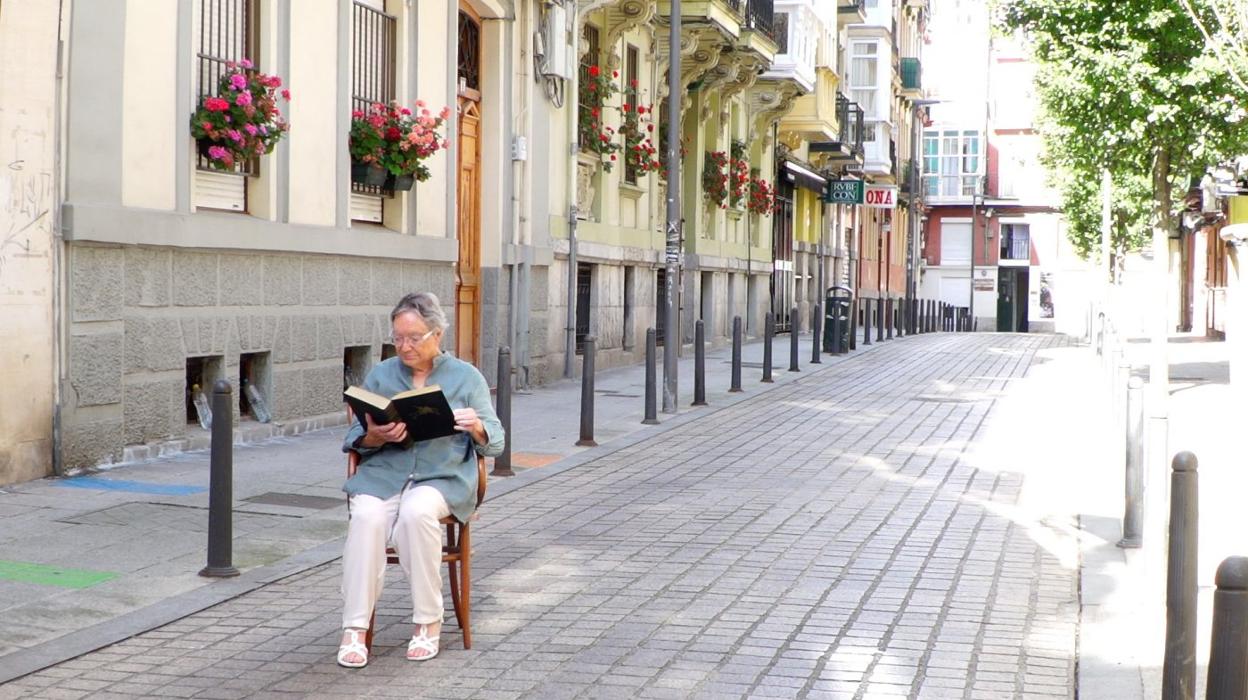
241,122
389,144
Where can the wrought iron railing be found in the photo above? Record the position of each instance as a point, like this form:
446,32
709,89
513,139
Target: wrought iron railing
851,6
760,16
373,56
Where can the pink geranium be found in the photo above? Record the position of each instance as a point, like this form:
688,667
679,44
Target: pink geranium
241,120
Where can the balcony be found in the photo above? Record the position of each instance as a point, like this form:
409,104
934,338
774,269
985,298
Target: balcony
797,29
850,12
758,30
847,148
911,77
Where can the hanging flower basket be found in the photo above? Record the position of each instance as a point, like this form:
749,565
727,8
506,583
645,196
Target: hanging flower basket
368,173
400,183
395,141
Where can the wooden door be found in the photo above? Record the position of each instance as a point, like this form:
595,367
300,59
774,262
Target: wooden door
468,269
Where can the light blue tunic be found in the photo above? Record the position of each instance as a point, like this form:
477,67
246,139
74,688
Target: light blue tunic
448,464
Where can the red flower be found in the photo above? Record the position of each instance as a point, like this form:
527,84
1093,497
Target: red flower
393,134
649,127
641,110
624,108
594,71
594,111
632,83
285,94
615,74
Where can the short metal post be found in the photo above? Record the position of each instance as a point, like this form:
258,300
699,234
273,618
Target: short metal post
587,394
931,315
834,324
652,400
1178,672
1133,510
794,321
221,485
853,323
816,332
699,363
890,316
736,354
879,319
769,332
502,406
1228,672
866,321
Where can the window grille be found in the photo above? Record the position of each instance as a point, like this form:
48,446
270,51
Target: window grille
631,76
373,58
227,33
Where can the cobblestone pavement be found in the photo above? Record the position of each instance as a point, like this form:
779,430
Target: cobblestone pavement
832,537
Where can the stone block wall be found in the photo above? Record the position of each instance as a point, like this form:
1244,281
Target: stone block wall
136,314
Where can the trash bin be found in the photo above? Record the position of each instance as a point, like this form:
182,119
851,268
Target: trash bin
837,306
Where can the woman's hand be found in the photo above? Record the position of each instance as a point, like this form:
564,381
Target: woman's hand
467,421
379,435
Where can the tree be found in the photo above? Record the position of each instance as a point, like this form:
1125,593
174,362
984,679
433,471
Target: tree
1135,88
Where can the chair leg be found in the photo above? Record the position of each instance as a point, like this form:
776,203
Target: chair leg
465,596
452,570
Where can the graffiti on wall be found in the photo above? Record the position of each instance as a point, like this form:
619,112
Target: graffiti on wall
26,199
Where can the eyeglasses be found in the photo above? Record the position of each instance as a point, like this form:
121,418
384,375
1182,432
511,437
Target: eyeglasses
399,341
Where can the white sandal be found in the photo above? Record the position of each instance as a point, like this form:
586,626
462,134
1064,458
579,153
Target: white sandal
423,642
355,646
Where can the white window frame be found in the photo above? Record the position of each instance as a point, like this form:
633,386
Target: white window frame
959,157
865,94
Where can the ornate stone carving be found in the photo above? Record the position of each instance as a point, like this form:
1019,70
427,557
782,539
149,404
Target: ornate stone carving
769,100
586,174
624,17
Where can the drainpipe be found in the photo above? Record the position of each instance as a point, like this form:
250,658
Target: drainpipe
509,195
574,147
58,243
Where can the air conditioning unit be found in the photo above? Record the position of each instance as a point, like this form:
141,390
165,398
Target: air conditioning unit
556,62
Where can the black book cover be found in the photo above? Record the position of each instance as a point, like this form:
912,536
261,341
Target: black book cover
426,411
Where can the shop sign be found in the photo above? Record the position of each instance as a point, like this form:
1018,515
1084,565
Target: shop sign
844,192
880,196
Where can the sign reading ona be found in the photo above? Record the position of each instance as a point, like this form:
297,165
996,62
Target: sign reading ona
880,196
843,192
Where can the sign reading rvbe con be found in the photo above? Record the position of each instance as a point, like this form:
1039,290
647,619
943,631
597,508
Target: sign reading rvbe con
880,196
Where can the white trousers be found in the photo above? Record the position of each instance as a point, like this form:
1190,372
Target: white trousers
417,536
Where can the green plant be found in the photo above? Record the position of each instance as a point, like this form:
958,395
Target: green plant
594,135
762,198
715,178
637,128
396,138
738,173
242,120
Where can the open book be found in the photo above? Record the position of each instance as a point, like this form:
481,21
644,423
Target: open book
426,411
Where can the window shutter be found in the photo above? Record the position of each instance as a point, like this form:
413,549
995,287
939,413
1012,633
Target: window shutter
955,243
220,191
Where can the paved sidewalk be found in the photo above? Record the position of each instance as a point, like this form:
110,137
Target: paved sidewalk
91,560
875,529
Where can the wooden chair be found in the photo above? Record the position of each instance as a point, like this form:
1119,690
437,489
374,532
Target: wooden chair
456,553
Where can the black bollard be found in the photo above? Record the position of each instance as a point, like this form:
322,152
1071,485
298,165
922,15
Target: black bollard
888,319
794,320
1133,509
221,485
853,324
1228,672
769,332
502,406
866,321
944,317
931,316
652,401
587,394
834,323
1178,672
736,354
816,332
879,320
920,317
699,363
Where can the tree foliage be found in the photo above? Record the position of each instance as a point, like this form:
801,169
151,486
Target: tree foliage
1132,87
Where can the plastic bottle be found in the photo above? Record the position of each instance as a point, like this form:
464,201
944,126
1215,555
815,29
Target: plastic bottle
202,408
259,409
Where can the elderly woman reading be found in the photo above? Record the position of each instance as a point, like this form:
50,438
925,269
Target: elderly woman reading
400,494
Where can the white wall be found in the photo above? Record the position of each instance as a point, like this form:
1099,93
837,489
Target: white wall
28,41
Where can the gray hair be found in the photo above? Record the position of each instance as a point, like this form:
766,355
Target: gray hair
426,305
